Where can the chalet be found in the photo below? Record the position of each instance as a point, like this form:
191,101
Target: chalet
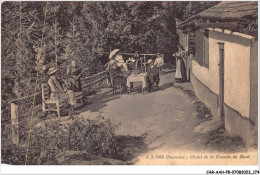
222,45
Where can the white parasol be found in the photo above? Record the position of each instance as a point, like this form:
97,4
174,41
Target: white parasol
113,53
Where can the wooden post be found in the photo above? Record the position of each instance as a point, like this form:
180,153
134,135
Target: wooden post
15,124
188,59
221,80
144,64
189,66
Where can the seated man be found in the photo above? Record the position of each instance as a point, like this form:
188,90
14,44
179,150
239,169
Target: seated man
57,91
152,75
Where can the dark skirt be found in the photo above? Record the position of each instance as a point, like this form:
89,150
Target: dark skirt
153,78
120,80
74,84
183,71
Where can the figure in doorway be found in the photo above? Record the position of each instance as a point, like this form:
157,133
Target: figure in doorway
180,75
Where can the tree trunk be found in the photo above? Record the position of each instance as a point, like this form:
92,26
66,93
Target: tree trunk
55,39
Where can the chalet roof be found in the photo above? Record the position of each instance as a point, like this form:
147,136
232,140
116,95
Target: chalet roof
240,12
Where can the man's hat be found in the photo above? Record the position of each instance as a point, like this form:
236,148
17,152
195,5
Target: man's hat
52,70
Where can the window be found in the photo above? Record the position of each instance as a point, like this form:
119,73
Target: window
202,47
191,43
206,49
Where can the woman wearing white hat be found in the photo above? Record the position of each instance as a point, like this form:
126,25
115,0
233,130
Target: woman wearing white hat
115,54
115,74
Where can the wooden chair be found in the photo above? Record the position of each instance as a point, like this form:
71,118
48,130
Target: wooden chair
114,87
79,96
114,83
46,101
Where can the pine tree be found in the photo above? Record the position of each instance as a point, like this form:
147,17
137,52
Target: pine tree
19,34
53,36
73,41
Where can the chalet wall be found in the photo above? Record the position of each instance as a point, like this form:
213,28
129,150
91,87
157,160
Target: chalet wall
240,83
254,83
237,70
237,125
205,95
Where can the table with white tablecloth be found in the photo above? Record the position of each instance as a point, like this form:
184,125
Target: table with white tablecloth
136,78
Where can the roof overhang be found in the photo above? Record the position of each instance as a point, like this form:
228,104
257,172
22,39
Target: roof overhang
234,25
235,16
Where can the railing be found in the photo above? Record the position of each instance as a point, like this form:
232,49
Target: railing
15,120
91,80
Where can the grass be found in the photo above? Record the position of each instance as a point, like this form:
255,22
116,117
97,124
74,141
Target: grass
219,140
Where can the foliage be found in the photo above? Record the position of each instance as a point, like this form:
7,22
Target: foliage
82,31
17,53
51,138
53,36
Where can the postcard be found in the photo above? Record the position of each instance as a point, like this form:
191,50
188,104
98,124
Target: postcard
129,83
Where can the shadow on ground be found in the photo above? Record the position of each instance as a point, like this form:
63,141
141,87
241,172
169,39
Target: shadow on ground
128,147
165,71
100,101
166,86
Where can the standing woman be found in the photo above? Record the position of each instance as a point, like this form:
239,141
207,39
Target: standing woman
74,73
180,75
137,60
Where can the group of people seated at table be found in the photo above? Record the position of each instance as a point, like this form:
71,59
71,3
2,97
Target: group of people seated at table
119,71
64,89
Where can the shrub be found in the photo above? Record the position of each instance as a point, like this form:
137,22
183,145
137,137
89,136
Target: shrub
48,139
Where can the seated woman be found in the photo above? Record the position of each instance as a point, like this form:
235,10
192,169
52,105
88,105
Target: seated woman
152,75
74,73
116,75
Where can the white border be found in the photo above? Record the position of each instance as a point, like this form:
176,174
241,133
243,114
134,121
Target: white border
130,169
126,169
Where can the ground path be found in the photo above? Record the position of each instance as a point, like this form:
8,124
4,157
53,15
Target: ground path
166,119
